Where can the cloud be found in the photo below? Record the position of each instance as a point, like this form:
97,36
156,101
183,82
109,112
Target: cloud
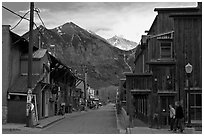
106,19
24,11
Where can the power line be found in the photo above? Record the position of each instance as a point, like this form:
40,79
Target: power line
38,11
22,17
20,21
15,13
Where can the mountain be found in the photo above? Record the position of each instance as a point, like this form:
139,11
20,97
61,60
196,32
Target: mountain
77,47
122,43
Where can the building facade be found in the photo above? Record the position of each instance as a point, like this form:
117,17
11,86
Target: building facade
159,78
13,46
53,83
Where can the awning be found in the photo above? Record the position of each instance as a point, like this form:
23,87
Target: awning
20,85
166,35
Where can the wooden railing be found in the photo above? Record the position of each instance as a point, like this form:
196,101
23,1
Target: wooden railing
136,81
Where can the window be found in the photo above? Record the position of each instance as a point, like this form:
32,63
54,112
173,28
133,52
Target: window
165,51
196,106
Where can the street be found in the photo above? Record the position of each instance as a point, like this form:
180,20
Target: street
98,121
102,68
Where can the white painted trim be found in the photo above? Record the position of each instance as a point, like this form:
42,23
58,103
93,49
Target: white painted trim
17,94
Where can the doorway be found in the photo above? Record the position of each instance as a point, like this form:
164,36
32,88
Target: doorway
165,102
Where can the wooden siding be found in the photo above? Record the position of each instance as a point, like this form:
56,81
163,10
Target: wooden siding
6,42
165,23
10,60
37,66
141,60
165,75
139,81
188,46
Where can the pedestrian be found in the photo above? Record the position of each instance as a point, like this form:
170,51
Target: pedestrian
179,118
172,117
156,120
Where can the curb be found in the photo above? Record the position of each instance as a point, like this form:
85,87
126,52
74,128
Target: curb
11,129
121,131
43,126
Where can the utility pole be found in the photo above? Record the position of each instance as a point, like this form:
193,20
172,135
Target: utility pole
85,91
30,55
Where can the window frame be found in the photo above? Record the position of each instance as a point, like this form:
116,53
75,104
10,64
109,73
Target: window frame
171,54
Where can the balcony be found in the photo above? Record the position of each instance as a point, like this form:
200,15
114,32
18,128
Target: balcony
139,82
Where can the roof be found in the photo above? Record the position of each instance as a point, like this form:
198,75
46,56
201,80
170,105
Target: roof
20,85
162,34
177,9
20,41
55,61
39,53
122,79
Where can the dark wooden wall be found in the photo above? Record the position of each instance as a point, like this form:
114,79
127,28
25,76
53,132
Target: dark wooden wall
188,48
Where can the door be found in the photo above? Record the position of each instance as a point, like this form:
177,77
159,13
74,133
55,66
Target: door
165,102
46,103
17,109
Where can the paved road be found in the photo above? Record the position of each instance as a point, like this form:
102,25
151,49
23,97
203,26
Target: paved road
99,121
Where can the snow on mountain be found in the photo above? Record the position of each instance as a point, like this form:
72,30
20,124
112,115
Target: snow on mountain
122,43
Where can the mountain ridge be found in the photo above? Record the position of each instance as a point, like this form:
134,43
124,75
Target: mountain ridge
122,43
76,47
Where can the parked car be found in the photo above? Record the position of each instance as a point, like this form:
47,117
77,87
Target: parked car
100,104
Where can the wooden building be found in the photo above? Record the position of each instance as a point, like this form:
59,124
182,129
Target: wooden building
13,47
53,83
158,79
64,80
17,93
188,49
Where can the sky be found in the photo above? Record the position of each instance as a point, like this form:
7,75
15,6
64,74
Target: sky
107,19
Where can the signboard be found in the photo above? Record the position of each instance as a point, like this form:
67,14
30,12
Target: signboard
27,109
29,98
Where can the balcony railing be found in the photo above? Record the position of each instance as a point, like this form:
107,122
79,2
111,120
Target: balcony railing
139,81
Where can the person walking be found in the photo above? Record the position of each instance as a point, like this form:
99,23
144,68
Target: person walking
179,118
172,117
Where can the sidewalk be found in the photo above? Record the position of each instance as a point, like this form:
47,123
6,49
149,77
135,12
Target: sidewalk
142,128
41,123
120,126
146,130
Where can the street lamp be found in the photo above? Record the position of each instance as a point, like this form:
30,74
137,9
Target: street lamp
188,69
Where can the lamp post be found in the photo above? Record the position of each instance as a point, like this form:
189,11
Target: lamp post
188,69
